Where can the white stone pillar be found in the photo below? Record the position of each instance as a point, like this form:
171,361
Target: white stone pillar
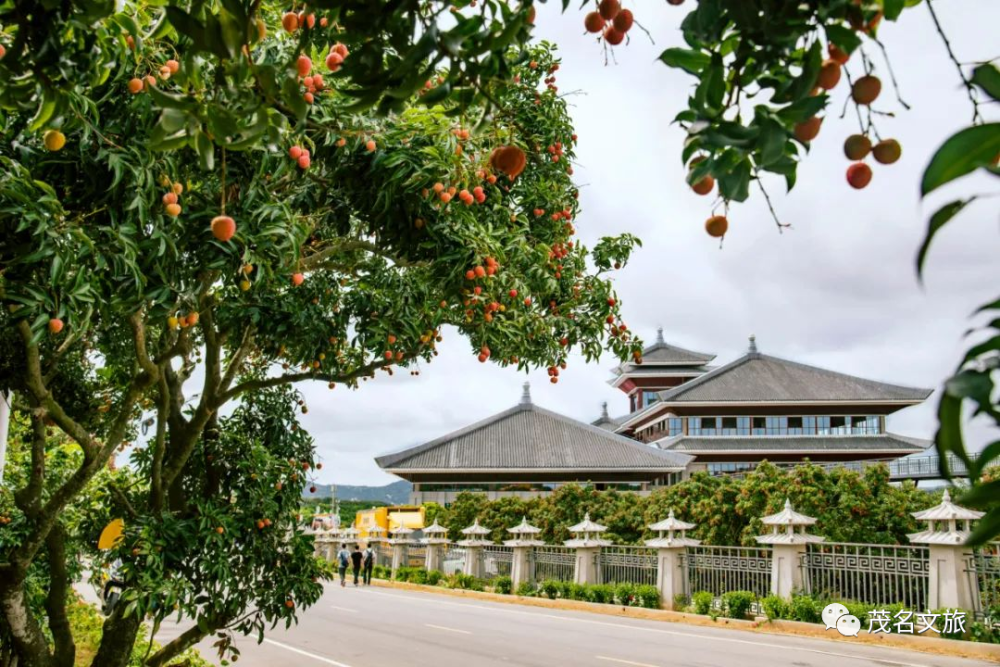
520,568
786,569
398,557
473,561
586,570
949,585
671,574
433,557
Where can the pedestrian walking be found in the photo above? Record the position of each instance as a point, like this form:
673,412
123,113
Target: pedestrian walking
368,561
343,558
356,557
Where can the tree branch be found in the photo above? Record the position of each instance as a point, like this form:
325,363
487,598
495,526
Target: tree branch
55,602
318,259
289,378
182,642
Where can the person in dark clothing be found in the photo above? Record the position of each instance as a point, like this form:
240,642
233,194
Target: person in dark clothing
369,563
356,562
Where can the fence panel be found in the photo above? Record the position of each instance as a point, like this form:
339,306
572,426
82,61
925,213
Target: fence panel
621,564
384,553
497,561
558,563
416,555
869,573
454,559
983,570
720,570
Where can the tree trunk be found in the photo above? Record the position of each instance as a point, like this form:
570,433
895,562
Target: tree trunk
30,648
64,654
118,639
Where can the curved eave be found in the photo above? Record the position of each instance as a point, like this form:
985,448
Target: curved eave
635,469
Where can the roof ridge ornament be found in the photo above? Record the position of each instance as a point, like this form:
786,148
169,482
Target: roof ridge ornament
604,411
659,336
753,344
526,395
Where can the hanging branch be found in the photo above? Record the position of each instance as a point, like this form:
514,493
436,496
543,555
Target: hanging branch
969,88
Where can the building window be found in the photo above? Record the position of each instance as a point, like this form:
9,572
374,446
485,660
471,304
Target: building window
795,426
809,425
704,426
725,468
649,397
840,425
675,426
631,403
728,426
759,426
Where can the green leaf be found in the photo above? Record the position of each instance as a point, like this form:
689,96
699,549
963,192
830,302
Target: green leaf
892,9
45,110
987,77
962,153
735,185
688,60
937,221
771,142
206,151
845,38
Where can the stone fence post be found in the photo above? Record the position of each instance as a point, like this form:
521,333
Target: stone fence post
948,585
671,567
788,547
474,544
400,543
588,545
523,544
437,538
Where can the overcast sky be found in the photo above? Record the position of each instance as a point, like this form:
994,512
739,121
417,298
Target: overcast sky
838,290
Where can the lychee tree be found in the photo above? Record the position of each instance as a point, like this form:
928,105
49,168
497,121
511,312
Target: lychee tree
204,203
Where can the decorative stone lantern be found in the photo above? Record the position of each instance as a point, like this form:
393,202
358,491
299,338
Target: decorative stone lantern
670,544
376,535
588,543
400,540
525,540
474,542
788,547
948,529
436,537
349,536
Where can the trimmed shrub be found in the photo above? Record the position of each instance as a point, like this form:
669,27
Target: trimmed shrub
806,609
526,589
625,594
417,576
434,577
648,596
503,585
702,601
550,589
601,593
775,608
682,601
736,604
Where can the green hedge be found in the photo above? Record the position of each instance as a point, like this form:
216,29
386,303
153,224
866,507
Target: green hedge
625,594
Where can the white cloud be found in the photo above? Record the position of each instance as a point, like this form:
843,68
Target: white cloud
838,290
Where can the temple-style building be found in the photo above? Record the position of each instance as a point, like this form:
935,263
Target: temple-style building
685,415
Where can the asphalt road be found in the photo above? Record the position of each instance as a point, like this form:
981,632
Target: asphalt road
383,627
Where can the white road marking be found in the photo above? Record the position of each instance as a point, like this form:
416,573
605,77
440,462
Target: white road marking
353,611
623,662
441,627
713,637
306,653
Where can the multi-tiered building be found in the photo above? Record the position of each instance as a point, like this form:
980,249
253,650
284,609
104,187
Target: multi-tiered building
684,415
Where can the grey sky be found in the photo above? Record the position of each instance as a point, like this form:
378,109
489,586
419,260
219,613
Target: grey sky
838,290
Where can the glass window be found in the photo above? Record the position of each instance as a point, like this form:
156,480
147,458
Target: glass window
839,425
742,426
728,426
823,425
709,425
675,426
874,424
631,403
809,425
759,426
694,425
649,397
795,426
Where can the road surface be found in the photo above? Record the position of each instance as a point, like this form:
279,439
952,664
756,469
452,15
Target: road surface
385,627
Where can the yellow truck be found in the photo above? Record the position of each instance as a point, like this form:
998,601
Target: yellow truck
389,518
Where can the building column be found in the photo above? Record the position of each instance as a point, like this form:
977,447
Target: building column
520,568
473,565
586,570
949,585
671,575
786,569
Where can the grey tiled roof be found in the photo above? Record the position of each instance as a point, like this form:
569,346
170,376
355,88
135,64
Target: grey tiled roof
609,423
529,437
761,378
889,442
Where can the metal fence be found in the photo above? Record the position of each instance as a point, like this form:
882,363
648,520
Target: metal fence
868,573
983,571
720,570
635,565
558,563
497,561
416,555
454,559
384,553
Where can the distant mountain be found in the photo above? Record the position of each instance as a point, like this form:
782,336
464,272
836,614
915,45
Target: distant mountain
397,493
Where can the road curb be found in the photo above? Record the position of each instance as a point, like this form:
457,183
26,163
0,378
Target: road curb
934,645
